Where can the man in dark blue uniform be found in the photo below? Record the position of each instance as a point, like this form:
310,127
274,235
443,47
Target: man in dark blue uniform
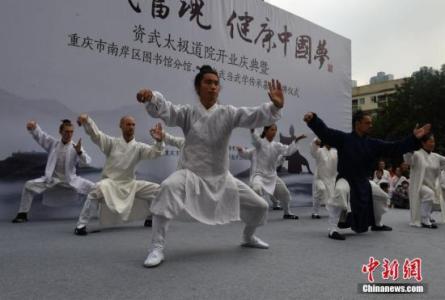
357,154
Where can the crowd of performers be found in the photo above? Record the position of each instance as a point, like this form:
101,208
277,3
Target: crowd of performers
202,185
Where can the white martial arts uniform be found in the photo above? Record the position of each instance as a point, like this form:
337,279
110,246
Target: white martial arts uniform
60,170
323,187
175,141
203,185
263,175
386,177
442,181
380,200
424,185
250,154
121,196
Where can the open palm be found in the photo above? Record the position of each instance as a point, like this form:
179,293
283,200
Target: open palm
276,93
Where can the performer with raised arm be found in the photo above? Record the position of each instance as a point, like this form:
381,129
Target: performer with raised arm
264,158
122,197
356,156
425,183
60,171
323,187
203,185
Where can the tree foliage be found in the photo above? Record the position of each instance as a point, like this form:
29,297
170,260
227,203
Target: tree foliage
420,99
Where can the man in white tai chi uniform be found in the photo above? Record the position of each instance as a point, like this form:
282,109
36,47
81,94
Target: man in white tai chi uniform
60,171
203,185
122,197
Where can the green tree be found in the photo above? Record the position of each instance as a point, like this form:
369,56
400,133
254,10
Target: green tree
420,99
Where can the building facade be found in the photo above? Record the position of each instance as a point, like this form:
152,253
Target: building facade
373,97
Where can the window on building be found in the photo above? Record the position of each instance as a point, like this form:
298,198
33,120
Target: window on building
362,101
381,99
354,105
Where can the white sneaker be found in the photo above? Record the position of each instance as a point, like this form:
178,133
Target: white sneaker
255,242
154,258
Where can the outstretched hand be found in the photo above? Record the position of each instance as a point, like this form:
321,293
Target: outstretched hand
276,94
144,95
420,132
78,146
157,133
31,125
82,119
308,117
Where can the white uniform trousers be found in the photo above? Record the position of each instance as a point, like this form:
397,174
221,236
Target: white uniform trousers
334,213
253,209
143,192
37,186
426,205
281,193
380,200
320,196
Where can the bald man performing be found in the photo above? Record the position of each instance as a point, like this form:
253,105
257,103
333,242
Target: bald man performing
121,196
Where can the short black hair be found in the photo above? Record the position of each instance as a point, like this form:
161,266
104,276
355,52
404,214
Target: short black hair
358,116
65,122
426,137
205,69
266,128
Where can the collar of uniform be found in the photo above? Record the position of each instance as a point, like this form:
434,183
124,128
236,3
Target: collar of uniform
425,152
128,143
359,136
205,110
61,144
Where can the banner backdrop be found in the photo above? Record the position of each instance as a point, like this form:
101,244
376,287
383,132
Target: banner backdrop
60,58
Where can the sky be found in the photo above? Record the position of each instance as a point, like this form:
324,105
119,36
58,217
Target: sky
393,36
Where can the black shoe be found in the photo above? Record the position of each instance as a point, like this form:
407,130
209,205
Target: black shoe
381,228
336,236
21,218
290,217
277,208
431,226
315,216
148,223
80,231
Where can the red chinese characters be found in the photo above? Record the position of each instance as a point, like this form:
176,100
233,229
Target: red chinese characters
412,269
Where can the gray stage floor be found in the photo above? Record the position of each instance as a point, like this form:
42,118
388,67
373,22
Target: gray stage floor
44,260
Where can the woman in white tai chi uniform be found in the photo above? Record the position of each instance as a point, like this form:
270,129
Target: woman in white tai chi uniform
203,185
264,179
424,185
